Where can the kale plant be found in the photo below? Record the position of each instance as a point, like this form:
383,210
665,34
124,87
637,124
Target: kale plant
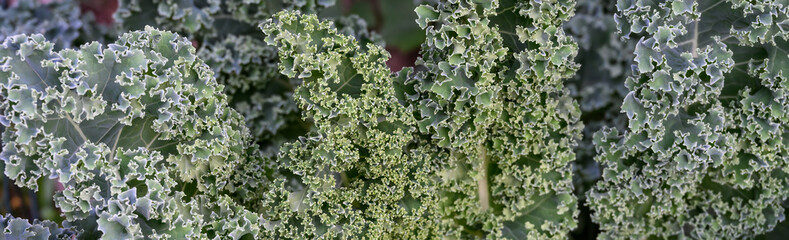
137,131
705,151
227,38
489,99
264,119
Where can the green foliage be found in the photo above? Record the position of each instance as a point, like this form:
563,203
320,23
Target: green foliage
16,228
490,128
475,142
491,100
357,174
228,40
137,131
704,154
301,131
605,62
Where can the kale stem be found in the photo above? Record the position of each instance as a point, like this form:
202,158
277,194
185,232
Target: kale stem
482,178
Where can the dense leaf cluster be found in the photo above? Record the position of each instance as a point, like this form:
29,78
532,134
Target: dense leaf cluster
137,131
705,151
598,86
356,174
491,100
16,228
263,119
227,38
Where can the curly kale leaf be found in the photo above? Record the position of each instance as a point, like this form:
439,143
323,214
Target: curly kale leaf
17,228
228,40
704,154
356,175
490,97
138,131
